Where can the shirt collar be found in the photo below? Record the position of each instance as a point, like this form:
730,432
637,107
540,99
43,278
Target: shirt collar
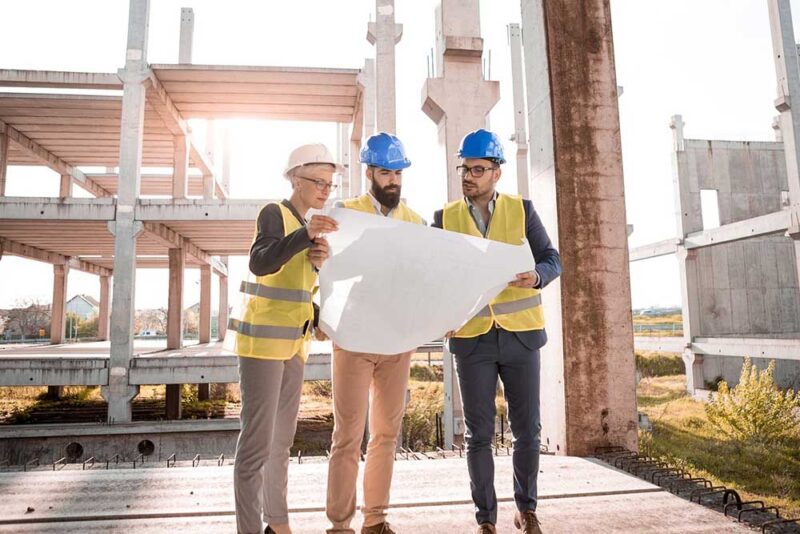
491,202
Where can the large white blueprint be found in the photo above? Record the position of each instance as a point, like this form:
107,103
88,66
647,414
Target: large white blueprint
391,286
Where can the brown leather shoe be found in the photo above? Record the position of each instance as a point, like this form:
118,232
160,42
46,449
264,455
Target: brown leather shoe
380,528
486,528
527,522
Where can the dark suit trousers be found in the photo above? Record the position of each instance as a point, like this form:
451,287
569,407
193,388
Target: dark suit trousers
479,363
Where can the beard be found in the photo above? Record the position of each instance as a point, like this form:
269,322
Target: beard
388,196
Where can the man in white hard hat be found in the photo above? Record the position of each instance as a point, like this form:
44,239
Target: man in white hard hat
272,337
358,376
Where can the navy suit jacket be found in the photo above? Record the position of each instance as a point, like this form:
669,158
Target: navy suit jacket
548,267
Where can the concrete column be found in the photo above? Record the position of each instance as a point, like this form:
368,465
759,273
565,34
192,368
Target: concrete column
211,150
177,263
186,35
104,312
785,51
226,161
119,392
3,160
65,186
385,34
343,147
577,172
180,170
453,411
689,219
776,128
58,310
205,303
356,172
222,316
459,99
520,135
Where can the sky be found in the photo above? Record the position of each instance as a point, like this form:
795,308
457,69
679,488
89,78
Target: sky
709,61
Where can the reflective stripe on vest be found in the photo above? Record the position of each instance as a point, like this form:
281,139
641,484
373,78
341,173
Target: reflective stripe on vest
277,307
401,212
514,306
265,331
515,309
276,293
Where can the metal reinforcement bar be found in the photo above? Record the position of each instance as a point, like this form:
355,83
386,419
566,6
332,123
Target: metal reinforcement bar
682,483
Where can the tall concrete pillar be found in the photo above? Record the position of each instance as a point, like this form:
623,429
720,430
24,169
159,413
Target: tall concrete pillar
689,219
104,311
458,99
58,309
355,170
205,304
343,145
3,159
385,34
211,141
367,81
119,392
186,35
222,315
788,103
776,129
520,135
180,168
177,261
576,169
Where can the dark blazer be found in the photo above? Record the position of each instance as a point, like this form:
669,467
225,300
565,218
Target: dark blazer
548,267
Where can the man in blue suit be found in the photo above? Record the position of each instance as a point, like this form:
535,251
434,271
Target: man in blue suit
503,339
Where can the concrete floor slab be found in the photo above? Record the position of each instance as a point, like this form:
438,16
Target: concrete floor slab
577,495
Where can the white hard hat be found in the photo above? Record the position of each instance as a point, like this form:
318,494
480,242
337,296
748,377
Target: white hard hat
308,154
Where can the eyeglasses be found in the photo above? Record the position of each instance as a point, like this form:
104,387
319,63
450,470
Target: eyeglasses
320,184
476,171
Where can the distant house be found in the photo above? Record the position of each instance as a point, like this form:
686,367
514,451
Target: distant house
84,306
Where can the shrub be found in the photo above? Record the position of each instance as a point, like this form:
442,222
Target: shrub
321,388
755,410
656,364
427,373
419,422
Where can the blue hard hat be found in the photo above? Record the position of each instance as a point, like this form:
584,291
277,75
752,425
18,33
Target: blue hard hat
482,144
385,150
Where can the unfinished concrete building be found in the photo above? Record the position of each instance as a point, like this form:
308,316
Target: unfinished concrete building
739,281
119,231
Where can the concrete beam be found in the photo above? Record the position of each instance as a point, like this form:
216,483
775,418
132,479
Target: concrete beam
783,349
49,371
577,174
193,210
104,311
772,223
60,79
22,250
172,239
654,250
48,208
660,344
52,161
58,307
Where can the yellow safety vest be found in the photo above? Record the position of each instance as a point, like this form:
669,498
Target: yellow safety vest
515,308
401,212
275,324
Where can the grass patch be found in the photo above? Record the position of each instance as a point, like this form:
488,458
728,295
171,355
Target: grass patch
650,363
683,436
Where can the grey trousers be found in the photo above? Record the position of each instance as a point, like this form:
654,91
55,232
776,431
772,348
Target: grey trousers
270,391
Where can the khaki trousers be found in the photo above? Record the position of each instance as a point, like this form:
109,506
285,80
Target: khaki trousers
360,381
271,391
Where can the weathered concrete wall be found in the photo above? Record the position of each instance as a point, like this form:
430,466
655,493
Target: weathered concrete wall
747,288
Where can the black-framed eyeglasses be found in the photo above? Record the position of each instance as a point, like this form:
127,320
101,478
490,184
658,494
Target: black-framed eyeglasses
320,184
476,171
